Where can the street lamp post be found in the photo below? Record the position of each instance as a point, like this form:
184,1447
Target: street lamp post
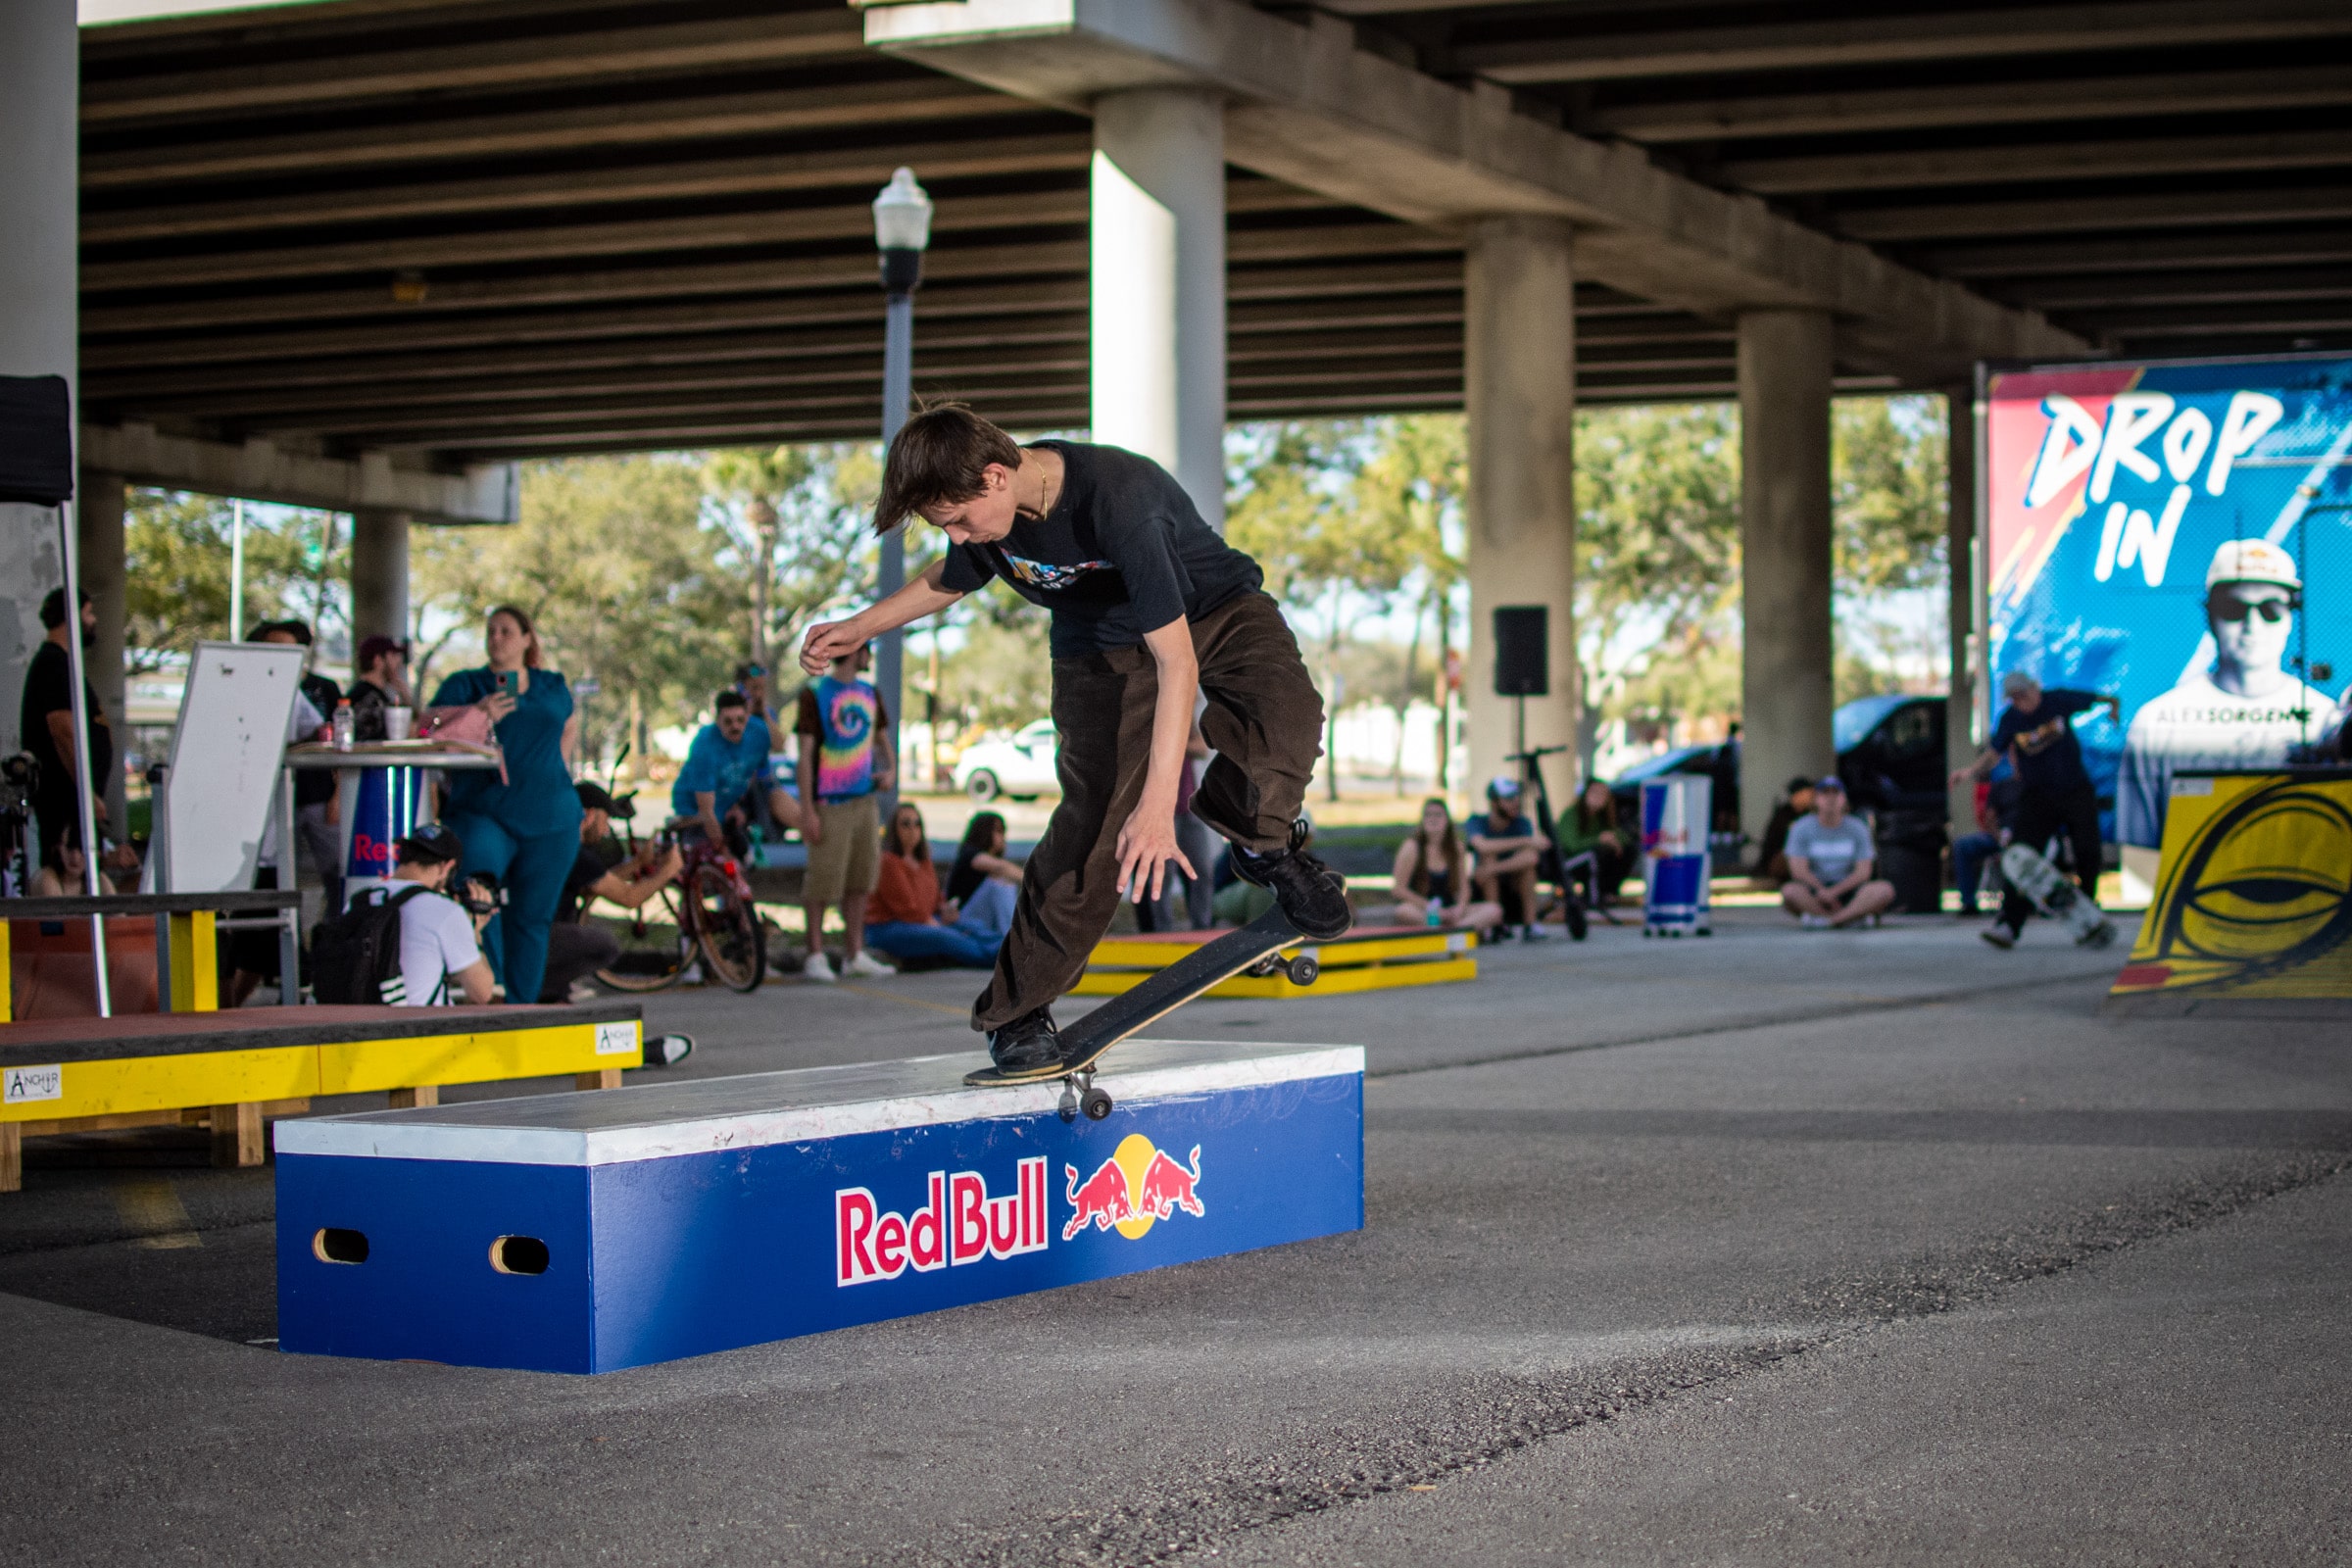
902,232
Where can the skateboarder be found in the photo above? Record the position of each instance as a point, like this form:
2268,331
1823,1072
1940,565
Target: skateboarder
1149,606
2036,733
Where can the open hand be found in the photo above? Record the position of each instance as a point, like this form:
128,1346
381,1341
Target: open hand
1147,843
827,641
498,705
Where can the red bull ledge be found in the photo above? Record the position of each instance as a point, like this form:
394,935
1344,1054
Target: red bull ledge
582,1233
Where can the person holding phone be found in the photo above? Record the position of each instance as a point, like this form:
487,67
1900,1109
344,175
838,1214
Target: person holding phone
524,829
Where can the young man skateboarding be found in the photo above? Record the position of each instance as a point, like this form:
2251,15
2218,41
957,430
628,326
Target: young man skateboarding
1149,606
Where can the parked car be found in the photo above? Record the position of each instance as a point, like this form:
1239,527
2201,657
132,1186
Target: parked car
1021,766
1889,752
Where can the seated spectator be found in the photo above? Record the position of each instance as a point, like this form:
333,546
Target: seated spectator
1432,876
384,683
1772,853
1996,809
62,874
1509,850
984,885
576,946
902,914
1591,828
440,948
728,757
1831,857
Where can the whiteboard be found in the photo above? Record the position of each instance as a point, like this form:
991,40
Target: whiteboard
226,756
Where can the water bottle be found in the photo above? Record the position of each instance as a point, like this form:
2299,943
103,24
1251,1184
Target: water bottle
1437,912
345,724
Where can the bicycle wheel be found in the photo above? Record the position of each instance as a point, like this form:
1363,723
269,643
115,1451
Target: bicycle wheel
653,945
734,947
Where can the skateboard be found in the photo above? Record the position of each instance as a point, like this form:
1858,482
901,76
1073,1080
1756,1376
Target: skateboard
2056,897
1253,949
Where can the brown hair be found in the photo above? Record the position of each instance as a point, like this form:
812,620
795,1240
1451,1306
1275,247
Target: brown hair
922,841
1587,820
1418,882
940,455
530,646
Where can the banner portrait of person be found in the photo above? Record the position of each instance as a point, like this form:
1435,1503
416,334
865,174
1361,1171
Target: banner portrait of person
2176,534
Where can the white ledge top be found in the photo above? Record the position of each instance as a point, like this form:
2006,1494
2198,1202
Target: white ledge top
664,1120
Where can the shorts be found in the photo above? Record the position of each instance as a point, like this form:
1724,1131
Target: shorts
848,856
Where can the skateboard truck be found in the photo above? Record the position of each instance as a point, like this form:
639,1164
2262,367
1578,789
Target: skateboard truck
1078,1093
1301,969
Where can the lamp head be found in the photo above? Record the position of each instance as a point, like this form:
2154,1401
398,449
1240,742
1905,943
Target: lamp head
903,214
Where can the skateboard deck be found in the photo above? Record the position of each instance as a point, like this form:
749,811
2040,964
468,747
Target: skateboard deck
2056,897
1162,993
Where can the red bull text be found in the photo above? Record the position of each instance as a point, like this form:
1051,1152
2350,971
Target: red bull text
958,1224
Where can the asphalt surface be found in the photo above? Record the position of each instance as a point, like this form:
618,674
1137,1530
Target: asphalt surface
1781,1246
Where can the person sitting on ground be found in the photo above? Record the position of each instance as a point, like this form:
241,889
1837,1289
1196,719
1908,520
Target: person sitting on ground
982,884
1830,859
1772,852
1509,852
576,946
62,874
1591,828
904,914
1997,808
440,946
384,682
1432,876
727,759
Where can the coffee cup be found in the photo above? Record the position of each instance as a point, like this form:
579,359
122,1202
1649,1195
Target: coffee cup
396,723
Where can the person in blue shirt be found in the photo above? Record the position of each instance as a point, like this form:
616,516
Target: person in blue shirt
727,759
2055,795
524,827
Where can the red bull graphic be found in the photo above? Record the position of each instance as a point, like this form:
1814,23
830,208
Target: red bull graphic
958,1223
1133,1190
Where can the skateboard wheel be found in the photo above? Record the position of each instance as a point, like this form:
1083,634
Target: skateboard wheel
1303,969
1096,1103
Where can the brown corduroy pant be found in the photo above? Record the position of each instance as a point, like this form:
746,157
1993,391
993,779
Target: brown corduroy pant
1266,721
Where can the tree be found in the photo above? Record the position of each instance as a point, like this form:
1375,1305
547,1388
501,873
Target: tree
1888,493
1412,486
796,518
176,558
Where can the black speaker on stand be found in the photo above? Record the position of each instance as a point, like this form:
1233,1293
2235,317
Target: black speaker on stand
1522,657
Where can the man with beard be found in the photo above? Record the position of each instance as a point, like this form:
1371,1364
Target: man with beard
46,721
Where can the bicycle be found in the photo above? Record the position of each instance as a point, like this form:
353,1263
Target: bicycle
708,911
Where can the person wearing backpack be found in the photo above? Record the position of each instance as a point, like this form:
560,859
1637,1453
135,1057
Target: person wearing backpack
407,945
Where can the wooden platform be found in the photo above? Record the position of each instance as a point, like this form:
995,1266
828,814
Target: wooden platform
1367,959
582,1233
233,1069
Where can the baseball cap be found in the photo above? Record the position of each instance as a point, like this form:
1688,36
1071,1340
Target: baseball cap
432,845
2252,561
1502,787
378,646
593,796
1828,781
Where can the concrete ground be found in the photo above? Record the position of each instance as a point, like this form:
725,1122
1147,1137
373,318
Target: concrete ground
1778,1247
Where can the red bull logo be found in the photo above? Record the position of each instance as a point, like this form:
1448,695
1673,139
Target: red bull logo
1136,1188
958,1224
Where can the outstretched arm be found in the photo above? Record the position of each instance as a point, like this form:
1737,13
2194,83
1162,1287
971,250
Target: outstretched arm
1148,839
829,640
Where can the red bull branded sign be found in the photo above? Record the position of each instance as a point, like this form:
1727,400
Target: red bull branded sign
580,1233
2176,534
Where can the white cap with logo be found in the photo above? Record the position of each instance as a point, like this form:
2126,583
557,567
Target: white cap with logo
2252,561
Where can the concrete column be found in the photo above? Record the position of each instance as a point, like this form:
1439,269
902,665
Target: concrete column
1787,647
1960,549
380,574
98,512
1519,379
41,92
1158,294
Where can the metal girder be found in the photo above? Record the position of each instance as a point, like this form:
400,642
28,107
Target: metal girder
2087,215
2120,157
2141,252
261,471
1306,106
2232,285
1895,37
2004,102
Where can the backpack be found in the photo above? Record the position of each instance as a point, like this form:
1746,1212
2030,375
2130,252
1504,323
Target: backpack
355,958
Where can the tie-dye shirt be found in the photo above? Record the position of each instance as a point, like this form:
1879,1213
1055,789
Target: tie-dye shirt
843,716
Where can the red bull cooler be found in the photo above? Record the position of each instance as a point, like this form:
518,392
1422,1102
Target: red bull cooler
379,804
1675,814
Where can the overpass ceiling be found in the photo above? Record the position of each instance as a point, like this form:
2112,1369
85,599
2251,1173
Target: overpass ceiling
509,228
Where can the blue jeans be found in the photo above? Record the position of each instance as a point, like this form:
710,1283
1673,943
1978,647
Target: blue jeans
1970,852
532,871
988,912
903,939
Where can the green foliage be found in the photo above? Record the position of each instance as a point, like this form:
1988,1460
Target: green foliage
796,523
1888,493
176,551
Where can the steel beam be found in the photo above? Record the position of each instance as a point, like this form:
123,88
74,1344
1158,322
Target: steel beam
260,470
2041,163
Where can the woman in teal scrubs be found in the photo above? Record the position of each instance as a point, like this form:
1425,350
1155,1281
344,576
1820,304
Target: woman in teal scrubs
524,830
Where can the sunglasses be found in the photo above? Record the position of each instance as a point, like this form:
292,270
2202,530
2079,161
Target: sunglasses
2271,611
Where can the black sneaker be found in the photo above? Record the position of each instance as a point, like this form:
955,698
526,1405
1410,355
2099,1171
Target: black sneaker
1028,1044
1999,934
1310,895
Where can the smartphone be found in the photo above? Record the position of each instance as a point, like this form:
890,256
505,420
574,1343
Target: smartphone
510,681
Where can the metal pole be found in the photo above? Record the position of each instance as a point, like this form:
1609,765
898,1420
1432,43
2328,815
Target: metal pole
898,391
81,748
236,572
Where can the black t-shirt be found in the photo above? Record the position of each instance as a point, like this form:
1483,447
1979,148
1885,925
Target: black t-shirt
314,786
965,879
368,703
2047,756
1124,552
49,689
588,868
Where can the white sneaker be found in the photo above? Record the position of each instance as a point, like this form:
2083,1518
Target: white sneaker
818,970
1814,922
866,963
